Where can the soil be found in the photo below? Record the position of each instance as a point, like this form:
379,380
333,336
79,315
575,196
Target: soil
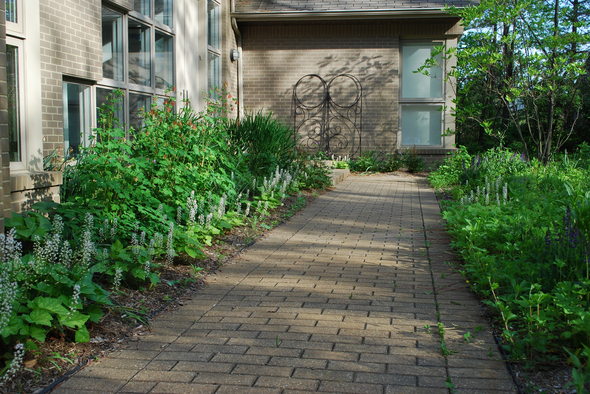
59,357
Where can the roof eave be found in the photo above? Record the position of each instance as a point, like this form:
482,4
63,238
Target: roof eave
401,13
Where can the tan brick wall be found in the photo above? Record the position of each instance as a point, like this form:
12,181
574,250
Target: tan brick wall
70,45
276,55
4,159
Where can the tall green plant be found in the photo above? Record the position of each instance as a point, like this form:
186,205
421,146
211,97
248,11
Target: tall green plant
265,143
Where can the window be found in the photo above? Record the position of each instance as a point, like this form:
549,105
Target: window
422,95
14,16
112,44
102,97
138,57
421,124
214,45
77,115
164,61
14,95
11,11
163,12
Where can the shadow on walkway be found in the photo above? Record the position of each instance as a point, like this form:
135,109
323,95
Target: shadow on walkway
346,297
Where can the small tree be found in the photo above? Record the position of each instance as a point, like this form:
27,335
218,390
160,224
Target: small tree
520,68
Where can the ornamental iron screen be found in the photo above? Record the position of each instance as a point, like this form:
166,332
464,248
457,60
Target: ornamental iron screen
328,115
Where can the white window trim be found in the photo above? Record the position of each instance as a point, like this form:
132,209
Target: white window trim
436,101
18,28
20,44
85,141
30,70
215,50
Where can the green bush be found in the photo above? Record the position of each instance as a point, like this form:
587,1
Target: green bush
264,143
367,161
313,174
412,161
523,230
142,177
131,203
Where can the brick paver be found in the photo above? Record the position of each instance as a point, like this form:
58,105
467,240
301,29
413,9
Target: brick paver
345,297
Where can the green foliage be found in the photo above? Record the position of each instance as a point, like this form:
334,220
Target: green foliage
143,176
367,161
265,143
523,230
313,175
376,162
134,201
412,161
340,164
520,73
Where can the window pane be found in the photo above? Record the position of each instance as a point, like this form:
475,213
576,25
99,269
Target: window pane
213,38
139,104
164,61
77,122
143,7
112,44
214,79
102,96
163,11
139,54
416,84
14,125
421,124
11,11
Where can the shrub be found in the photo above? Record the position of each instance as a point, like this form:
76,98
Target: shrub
132,202
367,161
265,143
412,161
523,230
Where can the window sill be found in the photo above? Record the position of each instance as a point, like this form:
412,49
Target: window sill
25,180
424,150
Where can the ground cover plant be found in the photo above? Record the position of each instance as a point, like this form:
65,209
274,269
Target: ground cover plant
523,231
134,203
372,161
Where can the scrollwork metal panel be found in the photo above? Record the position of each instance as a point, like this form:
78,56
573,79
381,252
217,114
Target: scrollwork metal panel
327,116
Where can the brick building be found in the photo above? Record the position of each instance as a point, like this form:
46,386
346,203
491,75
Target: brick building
63,58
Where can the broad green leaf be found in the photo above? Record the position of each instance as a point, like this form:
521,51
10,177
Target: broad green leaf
74,319
82,335
51,304
41,317
38,333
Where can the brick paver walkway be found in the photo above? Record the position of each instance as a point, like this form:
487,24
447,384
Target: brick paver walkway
344,298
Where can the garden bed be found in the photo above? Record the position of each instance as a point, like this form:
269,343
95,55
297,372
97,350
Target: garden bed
57,358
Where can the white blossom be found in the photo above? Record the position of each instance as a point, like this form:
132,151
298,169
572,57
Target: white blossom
15,365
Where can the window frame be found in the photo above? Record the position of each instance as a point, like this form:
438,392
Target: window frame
85,140
212,50
21,164
128,87
421,101
17,27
